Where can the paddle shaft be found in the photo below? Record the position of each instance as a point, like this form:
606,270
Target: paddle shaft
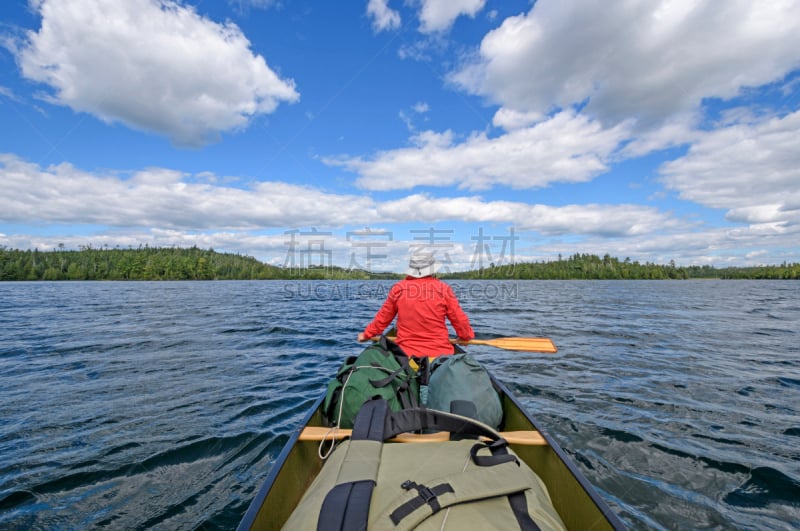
519,344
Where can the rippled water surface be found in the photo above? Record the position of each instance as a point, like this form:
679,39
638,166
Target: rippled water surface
163,405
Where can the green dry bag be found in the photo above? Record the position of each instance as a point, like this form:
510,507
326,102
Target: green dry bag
461,378
380,371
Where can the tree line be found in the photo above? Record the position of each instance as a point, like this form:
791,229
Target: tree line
593,267
148,263
174,263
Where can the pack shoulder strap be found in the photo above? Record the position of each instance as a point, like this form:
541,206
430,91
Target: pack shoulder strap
346,506
421,418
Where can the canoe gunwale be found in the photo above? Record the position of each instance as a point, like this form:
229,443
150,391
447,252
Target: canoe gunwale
250,516
568,462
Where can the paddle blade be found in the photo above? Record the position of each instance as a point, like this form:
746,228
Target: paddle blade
520,344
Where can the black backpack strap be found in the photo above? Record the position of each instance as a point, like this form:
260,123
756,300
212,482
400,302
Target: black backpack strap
390,346
346,506
416,419
423,369
399,354
383,382
426,496
519,505
369,424
499,454
407,398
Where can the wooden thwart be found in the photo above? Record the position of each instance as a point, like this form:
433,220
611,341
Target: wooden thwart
319,433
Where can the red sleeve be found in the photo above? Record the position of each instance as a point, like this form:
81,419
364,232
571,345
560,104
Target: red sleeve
457,317
384,317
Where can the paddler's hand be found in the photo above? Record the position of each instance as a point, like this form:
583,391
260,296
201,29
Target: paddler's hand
361,337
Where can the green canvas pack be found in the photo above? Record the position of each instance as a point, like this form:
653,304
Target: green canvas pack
461,378
381,370
463,484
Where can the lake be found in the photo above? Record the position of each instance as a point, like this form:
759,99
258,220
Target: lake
140,405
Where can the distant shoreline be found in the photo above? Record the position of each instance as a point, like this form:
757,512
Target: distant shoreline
158,263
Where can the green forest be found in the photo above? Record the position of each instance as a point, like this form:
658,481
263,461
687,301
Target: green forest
150,263
172,263
593,267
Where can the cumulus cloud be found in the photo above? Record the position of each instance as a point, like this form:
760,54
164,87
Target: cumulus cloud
750,169
510,119
163,198
383,17
651,61
169,200
723,246
154,65
566,148
439,15
590,219
435,16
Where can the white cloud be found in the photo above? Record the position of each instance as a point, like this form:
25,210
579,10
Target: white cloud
752,170
652,61
591,219
439,15
154,65
163,207
168,200
510,119
242,5
383,17
721,247
566,148
678,130
421,107
7,92
164,198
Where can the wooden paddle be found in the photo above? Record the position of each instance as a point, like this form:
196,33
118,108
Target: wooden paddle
520,344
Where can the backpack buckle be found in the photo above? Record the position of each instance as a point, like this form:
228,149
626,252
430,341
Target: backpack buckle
425,493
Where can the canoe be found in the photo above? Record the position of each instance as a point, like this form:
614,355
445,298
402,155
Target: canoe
576,501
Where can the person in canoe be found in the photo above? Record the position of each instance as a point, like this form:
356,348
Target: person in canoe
421,302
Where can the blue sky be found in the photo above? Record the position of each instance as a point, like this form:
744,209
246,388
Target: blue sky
354,132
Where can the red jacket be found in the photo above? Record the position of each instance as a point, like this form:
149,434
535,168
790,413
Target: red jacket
421,305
